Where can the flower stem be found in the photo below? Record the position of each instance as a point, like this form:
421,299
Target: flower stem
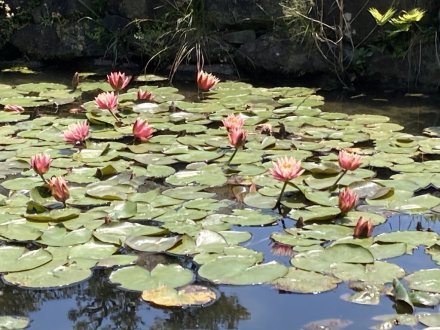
42,178
278,203
114,116
232,156
333,187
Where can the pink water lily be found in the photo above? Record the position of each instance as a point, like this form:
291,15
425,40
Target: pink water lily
286,168
206,81
59,189
142,130
237,137
40,163
349,161
363,229
233,121
14,108
347,200
118,80
144,95
107,101
77,133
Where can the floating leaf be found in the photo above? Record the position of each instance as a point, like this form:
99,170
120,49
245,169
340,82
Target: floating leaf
190,295
240,271
15,258
140,279
301,281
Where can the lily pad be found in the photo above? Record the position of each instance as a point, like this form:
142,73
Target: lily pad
139,279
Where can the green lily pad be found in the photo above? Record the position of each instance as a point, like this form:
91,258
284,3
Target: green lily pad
59,236
241,271
248,217
425,280
16,259
151,244
139,279
301,281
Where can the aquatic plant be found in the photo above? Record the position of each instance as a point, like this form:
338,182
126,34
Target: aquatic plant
142,130
40,163
59,189
118,81
167,196
77,133
206,81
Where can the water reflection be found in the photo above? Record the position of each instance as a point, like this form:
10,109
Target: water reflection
96,304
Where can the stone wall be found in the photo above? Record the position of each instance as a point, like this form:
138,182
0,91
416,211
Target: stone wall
253,35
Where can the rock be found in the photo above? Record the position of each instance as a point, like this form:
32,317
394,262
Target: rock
239,37
279,54
59,42
253,14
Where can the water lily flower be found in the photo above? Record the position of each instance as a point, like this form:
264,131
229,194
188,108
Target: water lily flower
40,163
280,249
233,121
348,161
206,81
237,138
142,130
77,133
347,200
118,80
14,108
108,101
59,189
144,95
285,169
363,229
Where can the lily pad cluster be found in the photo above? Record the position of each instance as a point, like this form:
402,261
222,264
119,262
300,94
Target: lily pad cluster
177,194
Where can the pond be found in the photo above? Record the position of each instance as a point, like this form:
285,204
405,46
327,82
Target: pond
190,217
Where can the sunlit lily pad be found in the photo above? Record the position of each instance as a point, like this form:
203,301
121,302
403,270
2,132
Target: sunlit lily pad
190,295
8,322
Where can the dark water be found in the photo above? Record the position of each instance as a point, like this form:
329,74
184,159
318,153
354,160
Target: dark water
97,304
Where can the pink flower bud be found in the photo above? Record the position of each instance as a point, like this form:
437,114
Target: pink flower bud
206,81
118,80
142,130
347,200
59,188
348,161
41,163
363,229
